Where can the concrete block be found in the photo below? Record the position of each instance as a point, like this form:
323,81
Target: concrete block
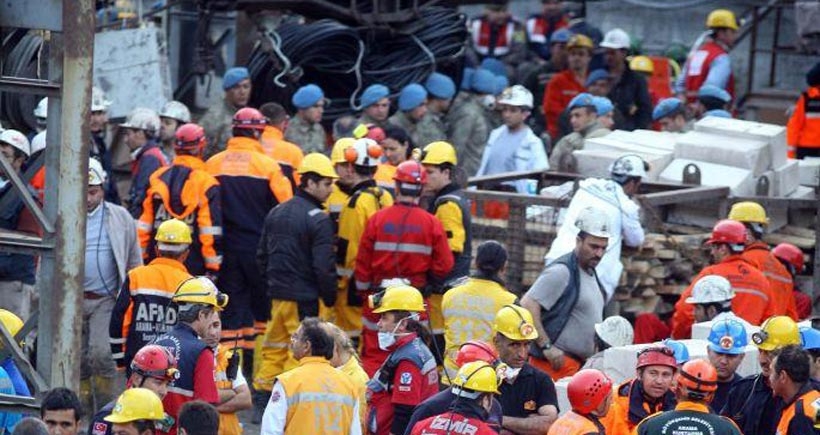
725,150
774,135
654,139
786,179
659,156
809,169
740,181
802,192
596,162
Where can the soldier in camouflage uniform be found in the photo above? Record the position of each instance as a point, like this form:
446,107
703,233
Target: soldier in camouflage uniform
583,116
305,129
440,92
375,106
218,119
467,125
414,117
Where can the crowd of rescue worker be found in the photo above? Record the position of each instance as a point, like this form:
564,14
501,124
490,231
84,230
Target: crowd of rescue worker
328,281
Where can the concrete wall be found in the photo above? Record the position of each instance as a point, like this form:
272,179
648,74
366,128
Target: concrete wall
659,27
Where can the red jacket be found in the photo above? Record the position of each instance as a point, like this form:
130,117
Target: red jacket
697,69
400,241
561,89
780,280
452,423
753,299
803,129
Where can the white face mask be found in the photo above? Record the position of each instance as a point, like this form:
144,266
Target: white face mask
387,339
510,374
488,101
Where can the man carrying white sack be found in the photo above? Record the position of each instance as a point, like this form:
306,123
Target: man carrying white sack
614,197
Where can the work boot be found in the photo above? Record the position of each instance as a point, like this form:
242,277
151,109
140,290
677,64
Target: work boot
260,400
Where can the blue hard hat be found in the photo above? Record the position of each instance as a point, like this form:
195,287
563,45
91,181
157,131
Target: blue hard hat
467,79
667,107
594,76
582,100
233,76
810,338
307,96
681,352
728,336
495,66
719,113
714,92
560,35
603,105
373,93
483,81
440,86
501,83
412,96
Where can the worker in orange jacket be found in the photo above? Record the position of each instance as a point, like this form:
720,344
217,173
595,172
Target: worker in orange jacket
185,191
287,154
791,257
753,216
645,394
753,301
803,129
565,85
251,185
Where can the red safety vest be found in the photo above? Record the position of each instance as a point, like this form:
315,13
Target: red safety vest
697,69
481,30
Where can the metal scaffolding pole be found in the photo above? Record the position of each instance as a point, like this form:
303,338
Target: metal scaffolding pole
61,269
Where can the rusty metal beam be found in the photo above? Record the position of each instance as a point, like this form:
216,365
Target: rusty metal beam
60,283
21,188
701,193
10,345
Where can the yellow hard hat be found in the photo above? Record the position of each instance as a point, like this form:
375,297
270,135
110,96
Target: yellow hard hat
515,323
10,320
580,41
776,332
749,212
397,298
200,290
136,404
337,154
319,164
437,153
642,64
721,18
173,232
474,378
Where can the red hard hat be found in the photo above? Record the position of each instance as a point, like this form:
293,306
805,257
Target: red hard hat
790,254
698,376
190,137
249,118
587,390
657,356
155,361
376,133
411,172
475,350
729,232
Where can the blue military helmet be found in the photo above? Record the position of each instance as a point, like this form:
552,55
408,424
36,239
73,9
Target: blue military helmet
440,86
483,82
582,100
307,96
595,75
667,107
233,76
495,66
714,92
467,79
373,93
412,96
501,83
728,336
719,113
603,105
810,338
560,35
681,352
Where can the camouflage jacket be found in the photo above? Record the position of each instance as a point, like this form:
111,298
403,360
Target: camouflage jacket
217,124
468,130
310,137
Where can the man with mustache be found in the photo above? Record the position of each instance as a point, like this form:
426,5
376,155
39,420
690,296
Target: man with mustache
566,329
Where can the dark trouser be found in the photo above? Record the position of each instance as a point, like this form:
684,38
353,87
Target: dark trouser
807,152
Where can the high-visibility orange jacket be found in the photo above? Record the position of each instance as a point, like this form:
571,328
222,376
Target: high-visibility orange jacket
630,406
287,154
251,184
803,129
798,417
561,89
780,280
753,299
185,191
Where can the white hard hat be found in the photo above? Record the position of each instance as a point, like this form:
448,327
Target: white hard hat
711,289
627,166
364,152
516,95
594,222
96,173
17,140
38,143
616,38
615,331
41,111
143,118
176,110
98,101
